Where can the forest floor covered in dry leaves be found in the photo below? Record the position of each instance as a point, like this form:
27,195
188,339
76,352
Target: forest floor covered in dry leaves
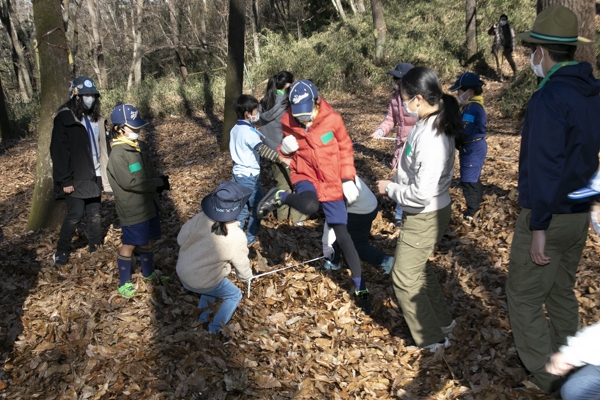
65,333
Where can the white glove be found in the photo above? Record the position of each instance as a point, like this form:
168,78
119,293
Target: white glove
328,251
289,144
377,134
350,191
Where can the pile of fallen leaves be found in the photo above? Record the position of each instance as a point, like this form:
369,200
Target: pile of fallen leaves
66,333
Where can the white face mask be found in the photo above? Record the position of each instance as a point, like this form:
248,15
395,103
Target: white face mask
462,99
133,136
412,114
537,68
88,101
502,23
254,118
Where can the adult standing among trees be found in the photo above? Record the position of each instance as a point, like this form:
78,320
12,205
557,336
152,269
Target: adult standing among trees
503,45
559,154
421,186
272,106
79,151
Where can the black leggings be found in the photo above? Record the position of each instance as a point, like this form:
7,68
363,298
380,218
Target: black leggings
306,202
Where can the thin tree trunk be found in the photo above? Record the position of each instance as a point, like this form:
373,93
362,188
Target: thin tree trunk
338,7
176,41
361,6
380,31
135,72
353,6
97,49
254,23
5,131
54,72
471,27
235,65
585,11
203,33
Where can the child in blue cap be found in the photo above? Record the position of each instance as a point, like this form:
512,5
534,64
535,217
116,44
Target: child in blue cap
136,187
471,145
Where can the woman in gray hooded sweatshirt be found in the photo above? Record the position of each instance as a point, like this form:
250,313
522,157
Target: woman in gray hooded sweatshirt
270,109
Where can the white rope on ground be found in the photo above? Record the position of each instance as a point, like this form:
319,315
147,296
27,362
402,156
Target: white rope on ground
280,269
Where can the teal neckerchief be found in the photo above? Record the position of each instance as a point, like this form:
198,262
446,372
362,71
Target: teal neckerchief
281,92
555,68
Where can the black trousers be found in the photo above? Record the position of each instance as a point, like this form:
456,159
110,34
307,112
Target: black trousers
75,210
473,192
359,228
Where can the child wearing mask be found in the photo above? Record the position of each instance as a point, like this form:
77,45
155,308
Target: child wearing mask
398,118
136,187
246,148
270,110
321,170
471,144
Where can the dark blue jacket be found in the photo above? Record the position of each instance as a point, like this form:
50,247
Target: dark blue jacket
559,144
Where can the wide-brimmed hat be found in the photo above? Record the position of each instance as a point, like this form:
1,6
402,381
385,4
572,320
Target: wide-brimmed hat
400,70
303,94
226,202
555,25
468,79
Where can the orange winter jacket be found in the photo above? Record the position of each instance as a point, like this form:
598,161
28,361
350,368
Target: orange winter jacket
325,156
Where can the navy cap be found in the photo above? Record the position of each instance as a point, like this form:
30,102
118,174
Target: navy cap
82,85
226,202
303,94
128,115
400,70
467,79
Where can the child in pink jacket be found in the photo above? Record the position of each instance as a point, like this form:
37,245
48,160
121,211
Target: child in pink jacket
396,117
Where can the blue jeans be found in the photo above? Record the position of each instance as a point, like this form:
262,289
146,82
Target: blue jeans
231,296
398,212
584,384
252,183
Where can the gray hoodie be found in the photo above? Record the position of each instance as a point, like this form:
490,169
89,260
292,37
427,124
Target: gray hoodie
270,122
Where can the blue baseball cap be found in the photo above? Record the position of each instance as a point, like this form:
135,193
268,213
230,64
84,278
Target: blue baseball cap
592,189
400,70
127,114
303,94
467,79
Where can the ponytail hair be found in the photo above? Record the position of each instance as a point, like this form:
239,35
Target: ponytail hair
423,81
219,228
276,82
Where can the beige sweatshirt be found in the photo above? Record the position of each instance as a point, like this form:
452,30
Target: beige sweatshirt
206,258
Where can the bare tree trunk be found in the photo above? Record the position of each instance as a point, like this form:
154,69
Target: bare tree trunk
338,7
5,131
71,21
97,49
380,31
585,11
203,32
135,72
235,65
254,23
176,40
361,6
353,6
471,27
54,71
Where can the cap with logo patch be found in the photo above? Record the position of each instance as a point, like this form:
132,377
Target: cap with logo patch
303,94
126,114
82,86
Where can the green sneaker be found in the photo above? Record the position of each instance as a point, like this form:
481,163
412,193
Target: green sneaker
363,300
155,275
127,290
270,202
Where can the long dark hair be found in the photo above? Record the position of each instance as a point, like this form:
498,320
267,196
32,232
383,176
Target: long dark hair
219,228
423,81
276,82
75,104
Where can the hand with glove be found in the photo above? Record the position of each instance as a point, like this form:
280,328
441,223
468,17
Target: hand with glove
378,134
328,251
289,144
350,191
165,186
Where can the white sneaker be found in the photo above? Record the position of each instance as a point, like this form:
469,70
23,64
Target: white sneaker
433,347
448,329
329,265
